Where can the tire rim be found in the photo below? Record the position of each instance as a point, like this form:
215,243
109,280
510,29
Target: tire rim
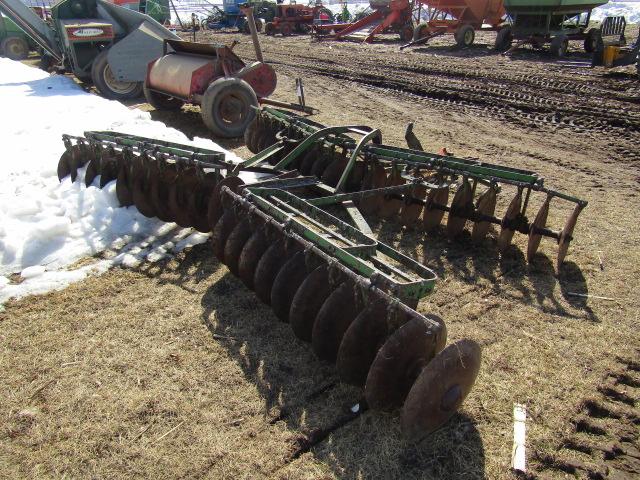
468,37
15,49
120,88
231,109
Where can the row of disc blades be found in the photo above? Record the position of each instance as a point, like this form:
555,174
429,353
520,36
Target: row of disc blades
420,208
394,352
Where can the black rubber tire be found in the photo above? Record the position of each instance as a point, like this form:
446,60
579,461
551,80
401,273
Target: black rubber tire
160,101
559,45
258,25
465,35
269,29
99,69
504,39
15,48
593,38
215,101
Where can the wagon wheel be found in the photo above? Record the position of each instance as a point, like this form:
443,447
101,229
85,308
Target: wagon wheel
559,45
594,37
227,107
465,35
269,29
504,39
286,29
15,48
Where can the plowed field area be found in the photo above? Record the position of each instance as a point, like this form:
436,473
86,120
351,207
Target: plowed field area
176,370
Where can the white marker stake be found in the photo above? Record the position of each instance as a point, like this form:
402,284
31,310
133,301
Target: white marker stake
518,455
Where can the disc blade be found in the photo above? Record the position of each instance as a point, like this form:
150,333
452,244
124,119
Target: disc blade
267,269
235,243
179,192
399,362
250,256
141,187
539,222
376,177
565,235
361,342
412,206
320,164
286,283
440,389
486,206
309,158
333,319
221,232
432,215
214,209
506,233
109,167
159,192
308,300
64,165
333,172
461,206
391,204
199,202
92,171
123,182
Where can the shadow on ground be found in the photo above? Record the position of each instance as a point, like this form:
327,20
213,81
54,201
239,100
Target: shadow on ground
306,395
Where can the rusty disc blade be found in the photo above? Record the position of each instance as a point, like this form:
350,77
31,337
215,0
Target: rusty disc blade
64,165
308,300
221,232
214,209
78,159
333,319
235,243
399,362
123,182
440,389
361,342
179,192
461,205
506,233
199,202
109,168
565,235
412,206
334,170
376,177
309,158
268,267
286,283
486,206
321,163
539,222
249,134
432,215
141,187
159,192
92,171
250,256
392,203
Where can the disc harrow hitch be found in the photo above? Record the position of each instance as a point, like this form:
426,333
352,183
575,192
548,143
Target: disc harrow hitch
410,186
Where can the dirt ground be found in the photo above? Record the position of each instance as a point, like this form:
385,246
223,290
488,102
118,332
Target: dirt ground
176,370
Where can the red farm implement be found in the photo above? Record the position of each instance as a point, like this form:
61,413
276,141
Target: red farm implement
458,17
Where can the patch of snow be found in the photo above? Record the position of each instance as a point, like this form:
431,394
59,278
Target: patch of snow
630,10
45,225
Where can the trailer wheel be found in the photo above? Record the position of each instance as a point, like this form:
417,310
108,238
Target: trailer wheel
465,35
559,45
227,107
504,39
591,41
406,33
160,101
15,48
269,29
108,85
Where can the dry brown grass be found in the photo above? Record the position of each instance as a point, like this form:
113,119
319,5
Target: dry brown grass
175,370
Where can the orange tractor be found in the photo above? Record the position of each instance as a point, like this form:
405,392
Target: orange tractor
298,18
